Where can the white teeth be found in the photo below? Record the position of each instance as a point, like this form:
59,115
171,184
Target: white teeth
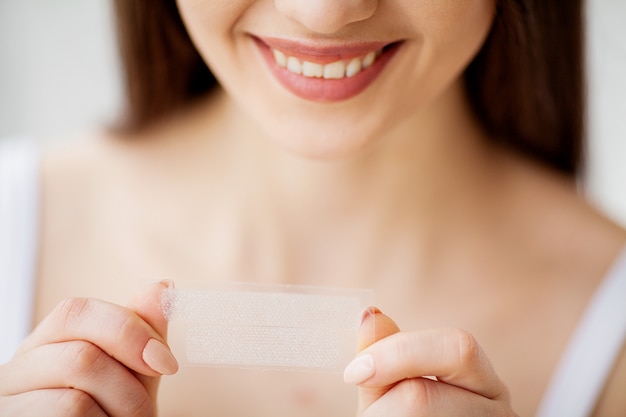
293,65
280,58
310,69
334,70
369,59
354,67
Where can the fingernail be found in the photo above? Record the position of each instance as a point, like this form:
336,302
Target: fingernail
167,282
158,357
359,370
369,311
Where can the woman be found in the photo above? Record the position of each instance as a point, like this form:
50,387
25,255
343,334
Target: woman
428,150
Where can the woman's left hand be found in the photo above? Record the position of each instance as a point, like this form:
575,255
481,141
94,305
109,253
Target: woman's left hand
440,372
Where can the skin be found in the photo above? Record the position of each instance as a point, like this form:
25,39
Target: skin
457,237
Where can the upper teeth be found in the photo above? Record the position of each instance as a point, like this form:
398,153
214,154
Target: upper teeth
337,69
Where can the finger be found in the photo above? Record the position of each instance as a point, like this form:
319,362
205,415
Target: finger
452,355
424,397
120,332
147,305
51,403
83,366
374,327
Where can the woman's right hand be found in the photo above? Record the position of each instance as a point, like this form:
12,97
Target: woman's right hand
91,358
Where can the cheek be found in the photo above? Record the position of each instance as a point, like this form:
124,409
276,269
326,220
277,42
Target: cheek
217,29
211,24
216,11
450,33
457,22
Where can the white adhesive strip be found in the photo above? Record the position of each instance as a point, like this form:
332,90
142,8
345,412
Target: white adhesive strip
265,326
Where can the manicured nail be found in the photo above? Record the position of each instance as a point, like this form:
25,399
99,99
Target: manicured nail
369,311
158,357
359,370
168,283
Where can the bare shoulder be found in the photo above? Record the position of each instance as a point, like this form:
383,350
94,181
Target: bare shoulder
69,161
71,169
576,245
72,152
556,217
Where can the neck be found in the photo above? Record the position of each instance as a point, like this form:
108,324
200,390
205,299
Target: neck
426,179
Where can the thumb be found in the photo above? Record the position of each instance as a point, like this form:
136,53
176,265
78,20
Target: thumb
147,305
374,327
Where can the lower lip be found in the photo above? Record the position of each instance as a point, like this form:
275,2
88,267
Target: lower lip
327,90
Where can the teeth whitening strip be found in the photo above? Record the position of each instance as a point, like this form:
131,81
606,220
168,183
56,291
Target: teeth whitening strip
264,326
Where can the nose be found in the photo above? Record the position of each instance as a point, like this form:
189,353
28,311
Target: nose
326,16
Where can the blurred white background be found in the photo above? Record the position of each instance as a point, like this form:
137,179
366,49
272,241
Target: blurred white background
59,73
58,66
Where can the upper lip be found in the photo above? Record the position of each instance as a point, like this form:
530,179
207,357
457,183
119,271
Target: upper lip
322,52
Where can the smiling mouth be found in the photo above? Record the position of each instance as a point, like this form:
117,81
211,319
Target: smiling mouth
334,70
325,73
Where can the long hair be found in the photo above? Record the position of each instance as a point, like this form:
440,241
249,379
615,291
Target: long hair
163,71
526,84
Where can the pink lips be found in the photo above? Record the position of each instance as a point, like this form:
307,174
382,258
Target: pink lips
320,89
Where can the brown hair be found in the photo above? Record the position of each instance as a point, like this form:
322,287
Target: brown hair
162,68
526,84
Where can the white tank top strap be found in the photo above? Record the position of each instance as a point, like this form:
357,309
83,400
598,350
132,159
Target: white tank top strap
19,228
593,349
